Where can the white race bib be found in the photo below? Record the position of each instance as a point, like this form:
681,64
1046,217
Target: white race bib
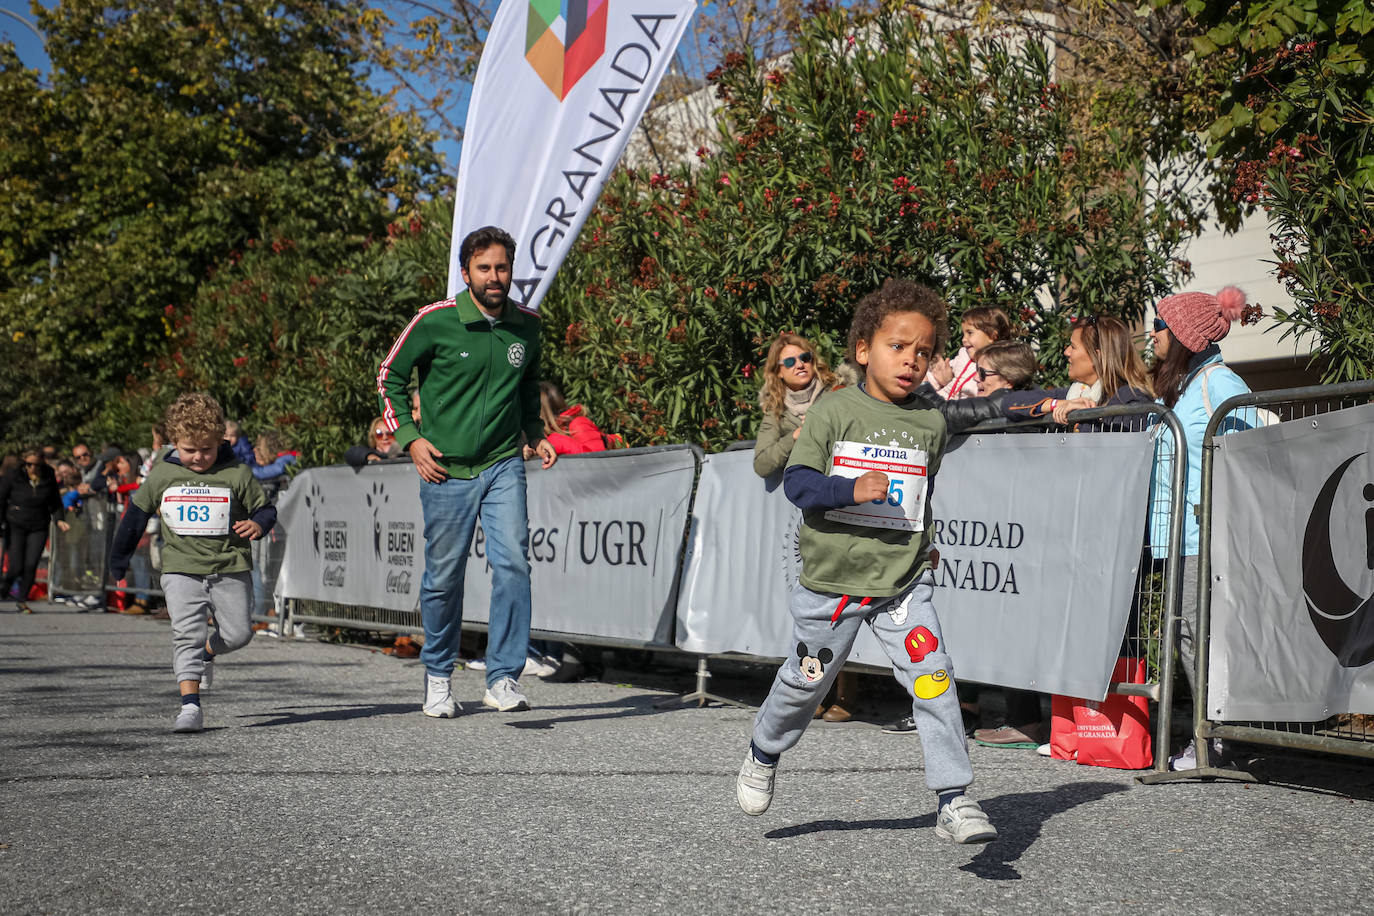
196,511
904,507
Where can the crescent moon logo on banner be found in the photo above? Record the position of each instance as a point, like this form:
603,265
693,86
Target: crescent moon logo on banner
1343,619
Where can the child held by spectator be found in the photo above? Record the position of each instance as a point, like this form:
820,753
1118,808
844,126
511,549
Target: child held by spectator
865,548
980,327
211,507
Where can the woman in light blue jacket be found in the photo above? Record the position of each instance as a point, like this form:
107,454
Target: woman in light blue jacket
1190,379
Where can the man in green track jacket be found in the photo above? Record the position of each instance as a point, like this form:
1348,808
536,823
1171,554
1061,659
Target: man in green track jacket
477,356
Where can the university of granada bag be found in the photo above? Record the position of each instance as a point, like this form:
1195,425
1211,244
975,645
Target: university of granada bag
1113,733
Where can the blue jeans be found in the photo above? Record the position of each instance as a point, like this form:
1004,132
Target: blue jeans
451,509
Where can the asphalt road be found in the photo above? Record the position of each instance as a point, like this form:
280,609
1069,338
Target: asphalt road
318,787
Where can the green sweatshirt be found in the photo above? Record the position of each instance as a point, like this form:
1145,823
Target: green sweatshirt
479,383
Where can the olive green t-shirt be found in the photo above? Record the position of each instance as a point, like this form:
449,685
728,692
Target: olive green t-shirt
197,513
843,557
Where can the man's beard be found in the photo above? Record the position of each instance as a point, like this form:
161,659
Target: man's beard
485,297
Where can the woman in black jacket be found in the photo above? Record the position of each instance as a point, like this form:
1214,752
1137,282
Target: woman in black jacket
31,496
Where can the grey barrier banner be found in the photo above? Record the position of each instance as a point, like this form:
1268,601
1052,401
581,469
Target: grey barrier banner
605,533
1292,629
1040,541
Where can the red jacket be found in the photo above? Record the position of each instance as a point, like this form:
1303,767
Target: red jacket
582,436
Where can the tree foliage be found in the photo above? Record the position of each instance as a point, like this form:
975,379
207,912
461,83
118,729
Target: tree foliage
172,133
289,332
881,148
1293,83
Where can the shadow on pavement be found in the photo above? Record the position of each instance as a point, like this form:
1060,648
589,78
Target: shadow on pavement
1018,818
328,714
622,708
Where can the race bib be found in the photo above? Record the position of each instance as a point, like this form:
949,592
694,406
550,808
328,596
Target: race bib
904,507
196,511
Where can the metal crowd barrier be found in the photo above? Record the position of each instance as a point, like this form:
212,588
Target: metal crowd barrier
1340,734
1151,632
1155,604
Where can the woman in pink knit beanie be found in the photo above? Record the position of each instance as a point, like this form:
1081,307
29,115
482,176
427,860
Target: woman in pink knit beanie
1189,378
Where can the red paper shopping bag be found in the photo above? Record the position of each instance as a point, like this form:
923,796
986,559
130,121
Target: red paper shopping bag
1112,733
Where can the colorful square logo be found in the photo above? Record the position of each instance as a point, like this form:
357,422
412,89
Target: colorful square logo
563,39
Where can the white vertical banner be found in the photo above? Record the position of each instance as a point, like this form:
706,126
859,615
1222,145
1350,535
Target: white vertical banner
560,88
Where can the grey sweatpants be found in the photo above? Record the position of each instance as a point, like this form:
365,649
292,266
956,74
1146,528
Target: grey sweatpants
190,601
909,631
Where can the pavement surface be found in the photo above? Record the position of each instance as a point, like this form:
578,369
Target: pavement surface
318,787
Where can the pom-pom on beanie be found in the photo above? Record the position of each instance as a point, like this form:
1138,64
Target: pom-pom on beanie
1201,319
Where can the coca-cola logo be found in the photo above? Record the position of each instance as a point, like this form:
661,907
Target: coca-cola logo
398,582
333,576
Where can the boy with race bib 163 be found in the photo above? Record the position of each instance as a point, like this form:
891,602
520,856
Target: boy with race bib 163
860,473
210,506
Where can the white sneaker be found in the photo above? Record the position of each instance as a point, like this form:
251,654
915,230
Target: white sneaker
1045,750
539,666
91,602
439,701
207,677
754,785
190,719
476,664
964,822
505,695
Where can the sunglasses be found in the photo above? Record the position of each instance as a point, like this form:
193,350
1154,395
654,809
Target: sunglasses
32,464
383,434
80,455
791,361
984,373
1160,325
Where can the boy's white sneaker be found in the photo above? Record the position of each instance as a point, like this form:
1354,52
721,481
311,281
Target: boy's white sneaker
964,822
439,701
505,696
754,785
190,719
207,676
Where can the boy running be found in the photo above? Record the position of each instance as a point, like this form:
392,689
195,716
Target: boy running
210,506
860,473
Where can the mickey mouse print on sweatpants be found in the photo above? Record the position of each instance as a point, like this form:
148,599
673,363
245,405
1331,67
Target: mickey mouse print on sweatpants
813,666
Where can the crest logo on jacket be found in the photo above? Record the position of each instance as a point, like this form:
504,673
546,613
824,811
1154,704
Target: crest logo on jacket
515,355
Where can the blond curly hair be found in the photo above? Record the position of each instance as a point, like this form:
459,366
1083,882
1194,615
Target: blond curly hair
196,417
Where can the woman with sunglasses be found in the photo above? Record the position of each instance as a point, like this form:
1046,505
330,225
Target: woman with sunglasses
31,498
1191,380
381,445
794,378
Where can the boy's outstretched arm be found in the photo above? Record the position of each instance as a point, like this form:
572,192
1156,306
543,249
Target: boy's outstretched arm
126,540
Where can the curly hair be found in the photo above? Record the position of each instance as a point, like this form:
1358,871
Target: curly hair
897,295
772,395
196,417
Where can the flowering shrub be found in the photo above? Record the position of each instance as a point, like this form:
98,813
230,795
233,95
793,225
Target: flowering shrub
955,160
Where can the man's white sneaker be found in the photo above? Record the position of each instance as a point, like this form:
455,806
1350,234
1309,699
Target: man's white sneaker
505,696
964,822
754,785
439,701
190,719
